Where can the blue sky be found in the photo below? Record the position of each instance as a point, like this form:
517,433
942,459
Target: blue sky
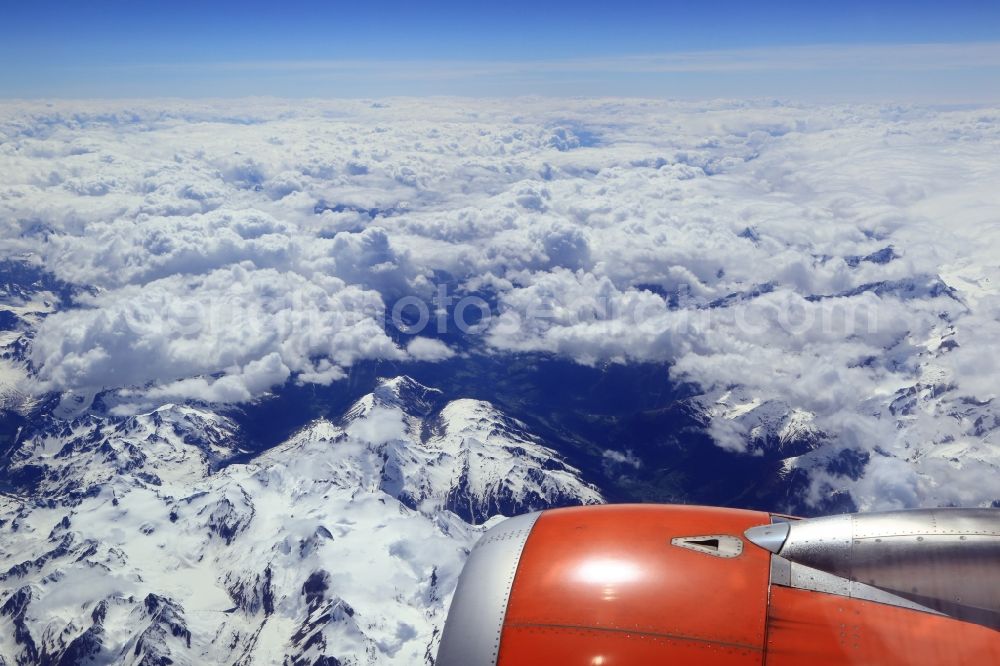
926,51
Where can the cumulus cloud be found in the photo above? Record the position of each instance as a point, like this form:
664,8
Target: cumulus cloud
428,349
838,259
379,426
225,336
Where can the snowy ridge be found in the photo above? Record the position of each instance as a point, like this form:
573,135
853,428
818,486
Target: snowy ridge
70,460
488,463
343,544
771,427
928,431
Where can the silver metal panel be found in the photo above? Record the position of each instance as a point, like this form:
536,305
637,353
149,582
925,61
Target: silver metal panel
821,543
869,593
806,578
945,559
781,571
472,631
799,576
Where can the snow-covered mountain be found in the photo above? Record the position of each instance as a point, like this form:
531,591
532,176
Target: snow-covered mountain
758,304
923,433
138,540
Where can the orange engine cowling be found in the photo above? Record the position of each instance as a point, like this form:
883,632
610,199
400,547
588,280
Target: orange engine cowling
643,585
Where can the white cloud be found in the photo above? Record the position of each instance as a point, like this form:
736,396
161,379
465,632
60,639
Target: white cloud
429,349
236,247
225,336
379,426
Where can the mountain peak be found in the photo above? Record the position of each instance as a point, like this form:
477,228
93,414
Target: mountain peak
402,392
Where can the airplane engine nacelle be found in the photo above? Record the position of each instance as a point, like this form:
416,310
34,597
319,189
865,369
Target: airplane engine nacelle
643,585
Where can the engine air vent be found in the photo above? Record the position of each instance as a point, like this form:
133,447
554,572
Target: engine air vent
717,545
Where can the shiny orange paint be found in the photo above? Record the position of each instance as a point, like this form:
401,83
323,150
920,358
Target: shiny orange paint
827,630
603,586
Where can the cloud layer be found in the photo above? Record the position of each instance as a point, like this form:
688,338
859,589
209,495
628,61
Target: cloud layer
838,259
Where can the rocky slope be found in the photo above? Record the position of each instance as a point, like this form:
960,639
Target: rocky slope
137,541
